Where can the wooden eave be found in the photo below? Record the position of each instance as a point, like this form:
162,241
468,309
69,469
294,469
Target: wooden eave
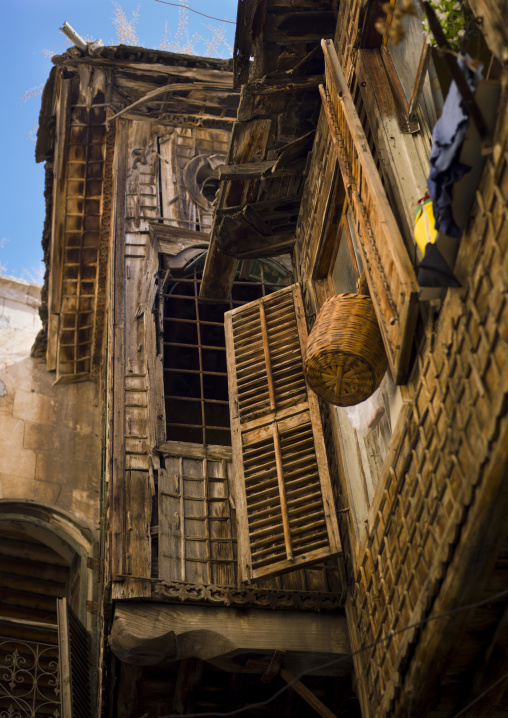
261,185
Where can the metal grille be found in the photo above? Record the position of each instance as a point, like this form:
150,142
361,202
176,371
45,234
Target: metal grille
195,373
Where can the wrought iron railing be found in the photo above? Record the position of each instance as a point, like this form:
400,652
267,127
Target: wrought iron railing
45,668
29,670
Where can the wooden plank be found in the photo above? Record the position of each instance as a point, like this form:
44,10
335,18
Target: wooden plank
138,499
170,522
243,547
308,696
282,492
64,658
195,451
155,381
221,77
117,367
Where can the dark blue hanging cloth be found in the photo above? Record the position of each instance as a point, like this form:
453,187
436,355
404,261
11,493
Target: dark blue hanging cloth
447,138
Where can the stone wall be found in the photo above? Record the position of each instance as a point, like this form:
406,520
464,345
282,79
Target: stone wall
50,436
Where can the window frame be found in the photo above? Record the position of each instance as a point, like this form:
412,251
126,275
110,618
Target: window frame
361,487
373,40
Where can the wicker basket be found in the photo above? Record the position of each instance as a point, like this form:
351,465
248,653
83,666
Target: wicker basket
345,359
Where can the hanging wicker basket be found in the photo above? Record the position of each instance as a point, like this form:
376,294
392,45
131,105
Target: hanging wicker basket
345,358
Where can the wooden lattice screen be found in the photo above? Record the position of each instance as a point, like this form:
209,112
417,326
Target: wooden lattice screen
285,509
391,278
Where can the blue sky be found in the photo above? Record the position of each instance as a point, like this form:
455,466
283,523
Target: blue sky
28,28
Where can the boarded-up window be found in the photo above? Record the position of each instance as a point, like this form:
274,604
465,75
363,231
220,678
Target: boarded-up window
285,508
197,542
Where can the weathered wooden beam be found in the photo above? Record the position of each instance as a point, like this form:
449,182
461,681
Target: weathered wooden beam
218,276
308,696
146,634
248,144
280,245
116,342
223,77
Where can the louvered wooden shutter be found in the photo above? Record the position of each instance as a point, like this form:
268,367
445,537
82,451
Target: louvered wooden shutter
390,275
74,649
285,508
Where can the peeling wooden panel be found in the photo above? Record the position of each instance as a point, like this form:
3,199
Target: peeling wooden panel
286,512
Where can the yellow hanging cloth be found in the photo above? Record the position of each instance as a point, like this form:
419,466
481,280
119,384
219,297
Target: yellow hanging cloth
424,224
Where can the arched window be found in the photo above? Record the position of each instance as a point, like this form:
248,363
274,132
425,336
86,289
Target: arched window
194,352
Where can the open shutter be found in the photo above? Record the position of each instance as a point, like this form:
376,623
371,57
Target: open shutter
74,648
391,278
285,508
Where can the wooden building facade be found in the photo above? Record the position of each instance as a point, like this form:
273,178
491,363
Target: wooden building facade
254,536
